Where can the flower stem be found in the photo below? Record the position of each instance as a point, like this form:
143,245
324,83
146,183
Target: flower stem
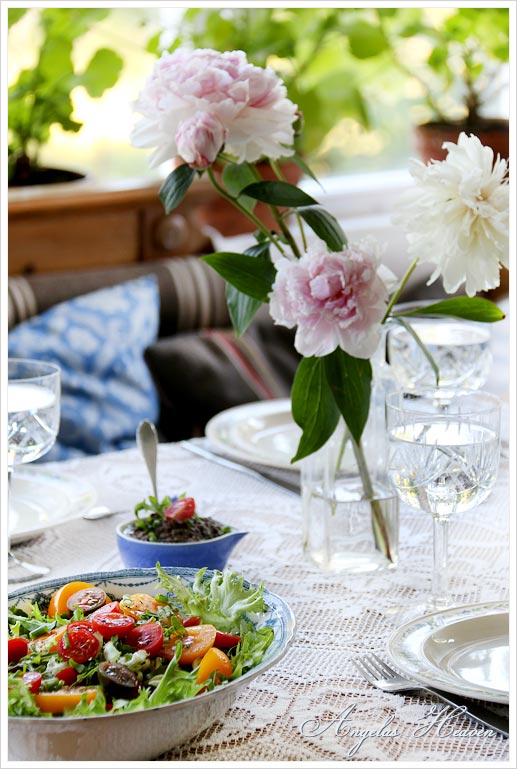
399,290
276,168
249,214
379,524
411,331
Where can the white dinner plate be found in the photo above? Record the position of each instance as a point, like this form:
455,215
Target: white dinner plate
463,650
41,499
263,431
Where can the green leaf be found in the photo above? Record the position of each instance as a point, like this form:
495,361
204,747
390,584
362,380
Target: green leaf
350,381
243,308
278,194
55,59
102,72
15,14
176,186
469,308
325,226
366,40
307,170
236,176
248,274
313,405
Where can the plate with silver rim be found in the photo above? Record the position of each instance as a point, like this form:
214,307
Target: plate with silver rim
42,498
463,650
262,432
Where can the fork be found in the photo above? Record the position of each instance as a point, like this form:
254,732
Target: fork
381,675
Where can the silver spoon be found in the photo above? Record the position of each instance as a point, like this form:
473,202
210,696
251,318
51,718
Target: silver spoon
147,440
100,511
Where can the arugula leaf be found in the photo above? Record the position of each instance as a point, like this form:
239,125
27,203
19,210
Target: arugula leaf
175,684
222,600
250,651
33,626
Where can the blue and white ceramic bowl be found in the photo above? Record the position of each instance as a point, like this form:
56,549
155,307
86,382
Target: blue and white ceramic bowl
212,553
144,734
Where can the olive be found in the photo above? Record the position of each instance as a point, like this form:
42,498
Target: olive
118,680
89,599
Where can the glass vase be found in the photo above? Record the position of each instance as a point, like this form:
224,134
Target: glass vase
350,511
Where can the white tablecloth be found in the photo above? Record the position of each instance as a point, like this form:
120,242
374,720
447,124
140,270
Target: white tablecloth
338,617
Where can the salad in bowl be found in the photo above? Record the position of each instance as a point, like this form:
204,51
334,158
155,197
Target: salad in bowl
126,665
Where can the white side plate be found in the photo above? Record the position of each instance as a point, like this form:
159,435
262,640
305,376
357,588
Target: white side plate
463,650
41,499
261,432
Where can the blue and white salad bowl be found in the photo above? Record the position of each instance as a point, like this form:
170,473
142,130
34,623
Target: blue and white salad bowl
143,734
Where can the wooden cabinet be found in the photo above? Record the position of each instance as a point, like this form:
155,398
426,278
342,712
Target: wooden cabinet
89,224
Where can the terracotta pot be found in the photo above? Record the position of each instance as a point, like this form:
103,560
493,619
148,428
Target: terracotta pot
26,175
227,220
430,137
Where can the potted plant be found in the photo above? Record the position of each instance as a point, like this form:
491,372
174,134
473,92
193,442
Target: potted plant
41,96
461,58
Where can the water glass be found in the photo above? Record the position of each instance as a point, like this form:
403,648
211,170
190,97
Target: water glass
443,459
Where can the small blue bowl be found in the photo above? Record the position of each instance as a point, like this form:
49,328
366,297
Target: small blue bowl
212,553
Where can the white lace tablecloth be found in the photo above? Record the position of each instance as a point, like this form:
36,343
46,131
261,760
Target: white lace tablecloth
338,617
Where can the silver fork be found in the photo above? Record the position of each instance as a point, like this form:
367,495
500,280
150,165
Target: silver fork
381,675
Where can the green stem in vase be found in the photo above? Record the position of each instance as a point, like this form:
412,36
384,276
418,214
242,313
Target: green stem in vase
379,524
394,299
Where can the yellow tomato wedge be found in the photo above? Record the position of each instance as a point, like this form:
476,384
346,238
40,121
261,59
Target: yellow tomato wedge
138,604
57,702
58,601
214,660
39,644
199,639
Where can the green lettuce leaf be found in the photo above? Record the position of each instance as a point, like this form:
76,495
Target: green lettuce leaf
20,702
250,651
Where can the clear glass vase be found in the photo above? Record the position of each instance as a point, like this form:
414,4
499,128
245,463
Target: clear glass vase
350,511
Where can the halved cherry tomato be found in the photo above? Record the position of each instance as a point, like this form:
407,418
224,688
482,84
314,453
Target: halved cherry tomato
196,643
181,509
190,621
59,599
138,604
32,679
112,606
214,660
57,702
112,623
16,649
67,675
78,642
226,640
148,637
88,599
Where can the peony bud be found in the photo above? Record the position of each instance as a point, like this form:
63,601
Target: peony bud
200,139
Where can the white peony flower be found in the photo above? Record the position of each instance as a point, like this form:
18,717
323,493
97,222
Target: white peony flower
249,105
457,217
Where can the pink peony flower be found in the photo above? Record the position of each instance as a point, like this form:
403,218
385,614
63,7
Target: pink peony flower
335,300
250,103
200,139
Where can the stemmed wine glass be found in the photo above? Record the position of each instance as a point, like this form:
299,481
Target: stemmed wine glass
443,459
33,406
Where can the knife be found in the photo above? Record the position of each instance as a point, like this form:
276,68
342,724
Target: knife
263,475
475,710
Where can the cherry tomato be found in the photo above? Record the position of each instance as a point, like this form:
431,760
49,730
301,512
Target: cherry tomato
16,649
118,680
226,640
214,660
78,642
181,509
58,601
57,702
112,606
67,675
88,599
32,679
138,604
189,621
148,637
112,623
195,644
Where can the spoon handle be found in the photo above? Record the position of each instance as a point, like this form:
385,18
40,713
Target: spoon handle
147,440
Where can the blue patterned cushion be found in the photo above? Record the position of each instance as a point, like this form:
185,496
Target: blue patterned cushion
98,340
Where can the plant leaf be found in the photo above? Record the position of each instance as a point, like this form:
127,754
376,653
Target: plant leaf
242,308
350,381
236,176
102,72
248,274
469,308
278,194
313,405
175,187
325,226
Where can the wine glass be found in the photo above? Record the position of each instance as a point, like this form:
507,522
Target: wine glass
443,459
33,407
